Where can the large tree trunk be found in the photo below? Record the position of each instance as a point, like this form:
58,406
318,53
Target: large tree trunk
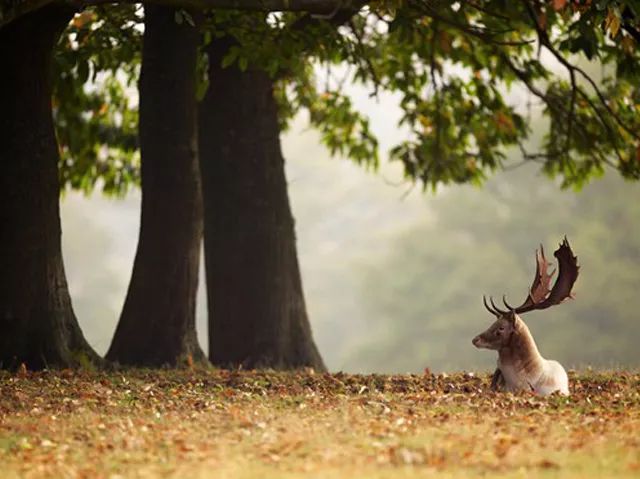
37,323
257,313
157,325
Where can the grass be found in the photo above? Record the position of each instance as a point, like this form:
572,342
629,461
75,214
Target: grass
193,424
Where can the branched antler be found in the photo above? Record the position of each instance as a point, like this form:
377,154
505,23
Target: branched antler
540,296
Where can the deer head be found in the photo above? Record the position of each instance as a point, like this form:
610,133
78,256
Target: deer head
540,296
499,334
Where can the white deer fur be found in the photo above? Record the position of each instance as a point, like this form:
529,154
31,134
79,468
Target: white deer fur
520,365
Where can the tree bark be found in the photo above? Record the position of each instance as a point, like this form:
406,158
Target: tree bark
157,325
257,313
37,323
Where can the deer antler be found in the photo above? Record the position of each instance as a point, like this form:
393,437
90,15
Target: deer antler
540,296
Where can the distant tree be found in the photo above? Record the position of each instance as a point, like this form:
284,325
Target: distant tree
423,300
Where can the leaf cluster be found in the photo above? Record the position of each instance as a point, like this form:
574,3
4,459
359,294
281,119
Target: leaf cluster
95,67
471,72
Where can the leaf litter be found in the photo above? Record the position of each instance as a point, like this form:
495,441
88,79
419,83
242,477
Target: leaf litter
216,423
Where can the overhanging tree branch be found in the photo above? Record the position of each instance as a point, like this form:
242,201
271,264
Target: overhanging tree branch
338,18
544,40
484,34
12,9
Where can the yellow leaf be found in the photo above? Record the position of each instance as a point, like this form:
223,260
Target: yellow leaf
628,45
504,122
612,22
471,165
424,121
81,19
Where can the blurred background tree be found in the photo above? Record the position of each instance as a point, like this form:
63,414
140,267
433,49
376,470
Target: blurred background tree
423,298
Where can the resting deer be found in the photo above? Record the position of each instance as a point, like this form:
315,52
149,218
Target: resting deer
520,365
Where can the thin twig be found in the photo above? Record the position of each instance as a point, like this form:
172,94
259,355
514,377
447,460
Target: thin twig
484,34
487,11
612,135
516,165
408,191
436,91
572,108
365,58
347,75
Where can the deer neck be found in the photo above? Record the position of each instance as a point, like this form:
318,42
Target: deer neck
521,353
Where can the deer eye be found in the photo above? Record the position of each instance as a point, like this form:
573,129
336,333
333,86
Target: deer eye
501,329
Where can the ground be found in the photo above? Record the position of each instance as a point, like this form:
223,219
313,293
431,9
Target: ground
192,424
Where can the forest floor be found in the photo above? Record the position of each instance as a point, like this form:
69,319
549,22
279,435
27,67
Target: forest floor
197,424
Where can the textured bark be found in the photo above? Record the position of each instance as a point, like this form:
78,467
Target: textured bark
157,325
257,313
37,323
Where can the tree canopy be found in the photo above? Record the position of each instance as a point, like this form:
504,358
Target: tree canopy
469,76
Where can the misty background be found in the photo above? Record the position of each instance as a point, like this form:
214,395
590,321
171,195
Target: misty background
394,276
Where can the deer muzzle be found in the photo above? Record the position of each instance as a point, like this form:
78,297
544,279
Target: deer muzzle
480,342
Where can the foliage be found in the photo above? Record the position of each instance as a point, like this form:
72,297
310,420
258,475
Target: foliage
454,63
468,74
248,424
95,66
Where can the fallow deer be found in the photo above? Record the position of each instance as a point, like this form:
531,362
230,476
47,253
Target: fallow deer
520,365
